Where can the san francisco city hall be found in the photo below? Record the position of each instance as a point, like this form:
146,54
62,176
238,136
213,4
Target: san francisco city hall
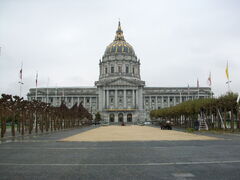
119,94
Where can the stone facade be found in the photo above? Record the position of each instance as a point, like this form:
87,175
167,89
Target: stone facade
119,94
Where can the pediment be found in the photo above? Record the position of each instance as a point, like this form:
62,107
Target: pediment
121,82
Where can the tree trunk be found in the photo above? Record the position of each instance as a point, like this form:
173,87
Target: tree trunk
238,118
51,123
232,120
2,126
13,125
225,118
41,123
36,123
23,117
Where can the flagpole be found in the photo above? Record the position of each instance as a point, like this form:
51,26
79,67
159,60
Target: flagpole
36,87
63,96
198,93
228,82
47,90
20,88
21,81
36,100
198,87
209,81
180,97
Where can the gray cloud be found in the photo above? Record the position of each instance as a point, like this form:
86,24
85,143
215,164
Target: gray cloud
177,41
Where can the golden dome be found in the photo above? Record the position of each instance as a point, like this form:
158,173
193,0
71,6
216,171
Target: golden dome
119,45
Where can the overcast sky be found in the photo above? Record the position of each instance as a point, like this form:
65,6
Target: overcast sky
177,41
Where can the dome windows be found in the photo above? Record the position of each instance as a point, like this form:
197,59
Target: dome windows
119,59
119,49
119,45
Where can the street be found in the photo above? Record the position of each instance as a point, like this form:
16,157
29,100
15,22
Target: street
45,157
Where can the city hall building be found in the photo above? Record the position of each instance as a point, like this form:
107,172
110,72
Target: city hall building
119,94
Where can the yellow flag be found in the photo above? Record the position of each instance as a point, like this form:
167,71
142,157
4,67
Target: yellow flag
227,71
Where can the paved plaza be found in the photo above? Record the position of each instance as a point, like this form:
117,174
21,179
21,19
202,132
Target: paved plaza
49,157
134,133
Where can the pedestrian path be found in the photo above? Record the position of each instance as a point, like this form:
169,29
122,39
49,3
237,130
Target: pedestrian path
134,133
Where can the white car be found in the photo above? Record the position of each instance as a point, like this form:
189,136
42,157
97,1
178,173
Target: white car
147,123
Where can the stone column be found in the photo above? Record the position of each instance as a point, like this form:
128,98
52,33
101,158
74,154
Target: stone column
54,101
133,98
90,102
150,102
137,99
125,117
174,101
103,99
140,96
180,98
107,99
124,98
72,102
116,102
156,103
162,106
84,102
78,100
99,99
168,102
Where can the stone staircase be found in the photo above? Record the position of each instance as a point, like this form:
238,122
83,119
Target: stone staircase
202,125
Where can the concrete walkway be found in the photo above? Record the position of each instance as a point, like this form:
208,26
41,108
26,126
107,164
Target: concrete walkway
134,133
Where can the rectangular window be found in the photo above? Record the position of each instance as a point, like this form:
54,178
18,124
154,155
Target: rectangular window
127,69
105,70
112,69
120,99
133,70
111,100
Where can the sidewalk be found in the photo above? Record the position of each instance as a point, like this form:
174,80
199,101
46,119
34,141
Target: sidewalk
8,135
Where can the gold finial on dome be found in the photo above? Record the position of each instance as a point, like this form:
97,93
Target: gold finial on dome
119,33
119,25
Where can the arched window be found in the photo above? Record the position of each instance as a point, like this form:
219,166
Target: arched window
111,117
129,117
120,117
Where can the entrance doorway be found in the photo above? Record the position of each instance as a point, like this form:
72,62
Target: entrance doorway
111,117
129,117
120,117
